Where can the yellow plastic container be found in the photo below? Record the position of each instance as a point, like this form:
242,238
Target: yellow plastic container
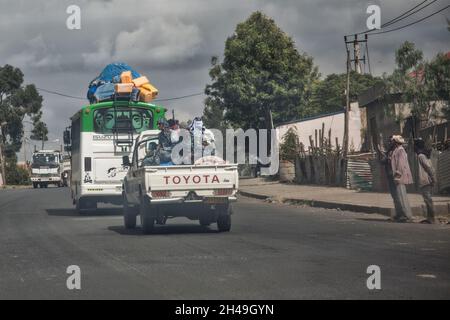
123,87
140,81
145,95
125,77
151,88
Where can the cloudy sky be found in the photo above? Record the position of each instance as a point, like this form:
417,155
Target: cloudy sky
171,41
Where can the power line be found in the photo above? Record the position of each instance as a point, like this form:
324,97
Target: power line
60,94
400,18
412,23
396,19
182,97
81,98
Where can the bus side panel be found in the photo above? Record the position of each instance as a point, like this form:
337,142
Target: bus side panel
75,178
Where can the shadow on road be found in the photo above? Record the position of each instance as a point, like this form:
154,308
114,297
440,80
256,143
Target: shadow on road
71,212
166,229
376,220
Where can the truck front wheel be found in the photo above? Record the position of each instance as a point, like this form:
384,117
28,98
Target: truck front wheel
224,218
129,215
147,218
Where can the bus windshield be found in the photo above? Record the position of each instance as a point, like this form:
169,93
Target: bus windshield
106,119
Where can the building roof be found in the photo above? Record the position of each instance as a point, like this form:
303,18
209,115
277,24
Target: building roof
375,94
323,115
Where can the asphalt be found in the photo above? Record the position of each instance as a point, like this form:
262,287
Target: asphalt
274,251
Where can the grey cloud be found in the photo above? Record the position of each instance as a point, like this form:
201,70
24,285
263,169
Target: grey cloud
172,41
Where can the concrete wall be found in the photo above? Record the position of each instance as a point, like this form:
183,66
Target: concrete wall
307,127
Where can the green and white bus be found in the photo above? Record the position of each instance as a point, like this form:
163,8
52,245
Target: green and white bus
99,136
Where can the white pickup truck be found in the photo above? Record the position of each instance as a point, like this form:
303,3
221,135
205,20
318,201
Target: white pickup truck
157,192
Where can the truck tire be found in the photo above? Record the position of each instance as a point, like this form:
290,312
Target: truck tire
84,205
224,218
129,215
205,221
147,218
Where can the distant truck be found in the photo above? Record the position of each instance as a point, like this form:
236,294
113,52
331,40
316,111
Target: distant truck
46,168
157,192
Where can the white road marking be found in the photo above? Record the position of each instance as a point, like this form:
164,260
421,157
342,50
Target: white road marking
427,276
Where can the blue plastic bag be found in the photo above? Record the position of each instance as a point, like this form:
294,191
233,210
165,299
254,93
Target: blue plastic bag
104,92
110,74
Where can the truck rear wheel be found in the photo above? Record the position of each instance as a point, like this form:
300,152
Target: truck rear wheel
129,215
147,217
83,205
224,218
204,222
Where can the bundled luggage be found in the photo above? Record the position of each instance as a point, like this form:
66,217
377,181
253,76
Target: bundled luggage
120,80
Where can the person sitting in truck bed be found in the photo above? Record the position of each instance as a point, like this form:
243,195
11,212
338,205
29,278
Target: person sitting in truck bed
152,156
165,142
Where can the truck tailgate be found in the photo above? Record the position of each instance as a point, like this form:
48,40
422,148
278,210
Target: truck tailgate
196,178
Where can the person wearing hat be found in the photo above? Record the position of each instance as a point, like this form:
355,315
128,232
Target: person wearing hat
402,177
384,153
427,177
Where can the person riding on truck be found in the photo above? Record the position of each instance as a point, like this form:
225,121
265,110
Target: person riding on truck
165,142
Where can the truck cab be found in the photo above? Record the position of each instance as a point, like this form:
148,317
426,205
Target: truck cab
46,168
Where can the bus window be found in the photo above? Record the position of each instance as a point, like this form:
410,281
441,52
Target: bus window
105,119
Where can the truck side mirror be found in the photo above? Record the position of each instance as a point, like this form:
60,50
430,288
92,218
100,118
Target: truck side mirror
126,161
66,137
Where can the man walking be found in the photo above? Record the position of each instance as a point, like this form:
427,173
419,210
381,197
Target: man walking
402,177
427,178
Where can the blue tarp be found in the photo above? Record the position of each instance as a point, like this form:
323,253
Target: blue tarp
110,74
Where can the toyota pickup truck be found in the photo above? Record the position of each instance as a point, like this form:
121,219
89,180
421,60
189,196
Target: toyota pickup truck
156,192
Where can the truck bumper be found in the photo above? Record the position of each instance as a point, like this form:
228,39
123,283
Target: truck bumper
45,179
208,201
101,190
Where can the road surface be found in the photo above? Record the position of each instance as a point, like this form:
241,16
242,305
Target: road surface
274,251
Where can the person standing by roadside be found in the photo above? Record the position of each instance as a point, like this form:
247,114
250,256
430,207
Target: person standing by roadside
427,178
402,177
384,153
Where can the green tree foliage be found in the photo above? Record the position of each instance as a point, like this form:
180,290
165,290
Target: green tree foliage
421,82
40,131
329,94
16,102
261,71
290,147
17,175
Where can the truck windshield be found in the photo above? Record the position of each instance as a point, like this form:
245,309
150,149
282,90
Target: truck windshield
105,119
45,159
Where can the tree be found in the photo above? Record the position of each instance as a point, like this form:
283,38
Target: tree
39,131
290,147
421,83
16,102
262,73
329,94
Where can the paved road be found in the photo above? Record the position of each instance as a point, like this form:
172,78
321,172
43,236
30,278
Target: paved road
273,252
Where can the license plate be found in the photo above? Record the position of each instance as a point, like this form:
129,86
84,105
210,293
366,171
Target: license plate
216,200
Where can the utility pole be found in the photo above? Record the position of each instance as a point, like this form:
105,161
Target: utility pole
357,63
356,52
2,158
347,106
